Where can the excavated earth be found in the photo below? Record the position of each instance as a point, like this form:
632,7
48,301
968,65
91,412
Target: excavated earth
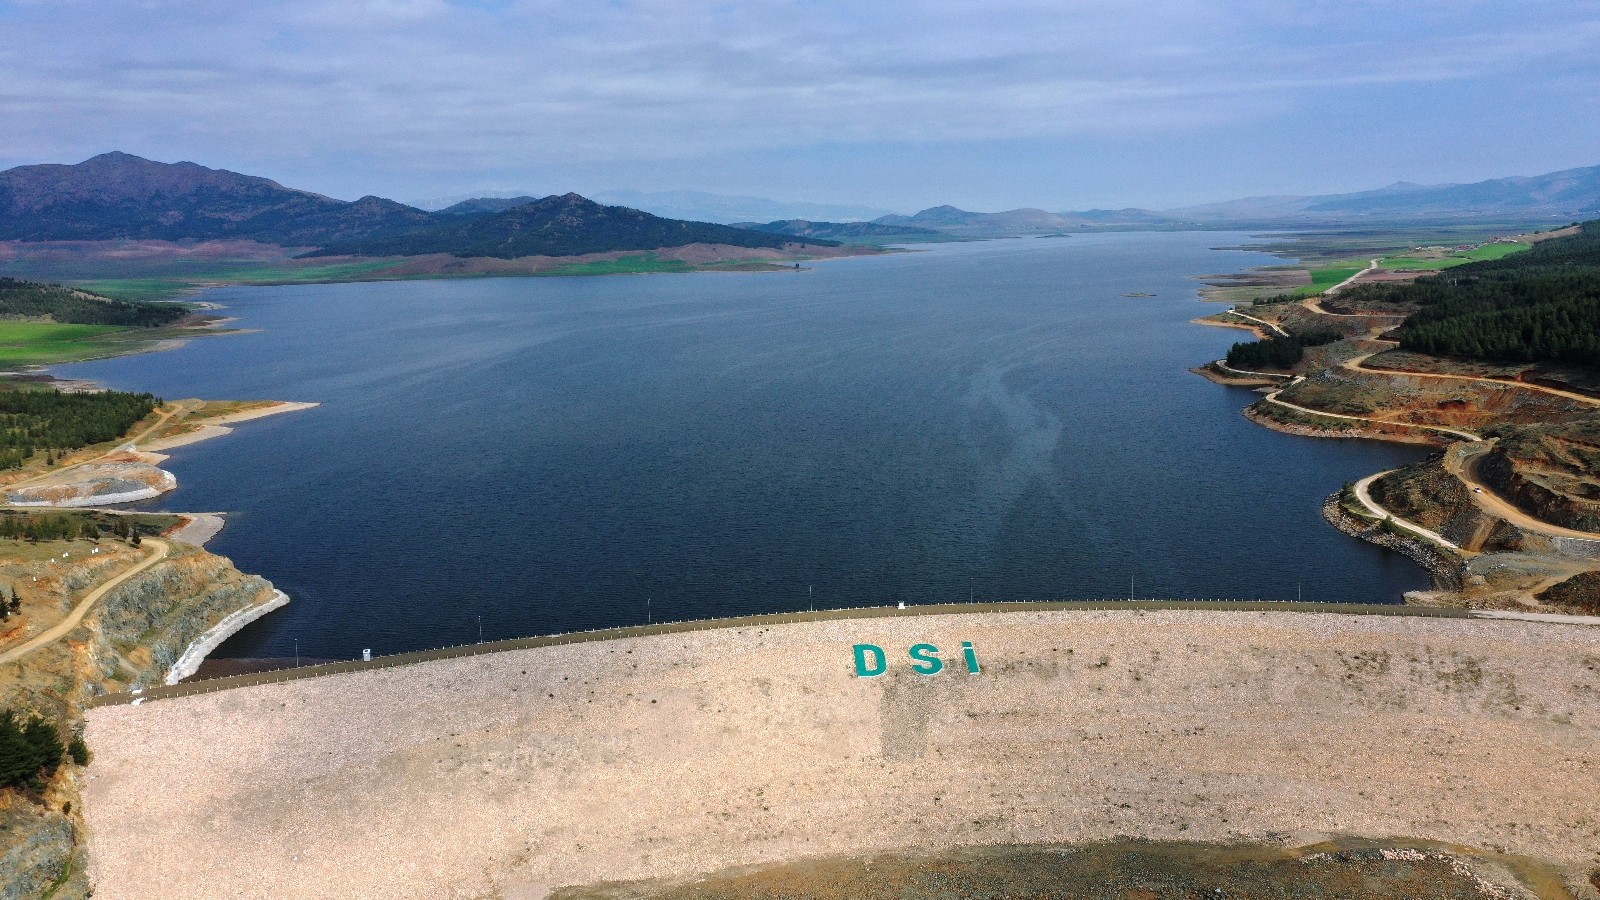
522,773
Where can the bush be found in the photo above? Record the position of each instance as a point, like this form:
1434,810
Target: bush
79,751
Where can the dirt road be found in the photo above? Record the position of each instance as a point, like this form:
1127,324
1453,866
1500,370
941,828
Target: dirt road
87,603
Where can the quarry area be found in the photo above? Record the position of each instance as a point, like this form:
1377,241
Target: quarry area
583,769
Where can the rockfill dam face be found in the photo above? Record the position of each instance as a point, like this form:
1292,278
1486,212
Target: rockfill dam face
514,774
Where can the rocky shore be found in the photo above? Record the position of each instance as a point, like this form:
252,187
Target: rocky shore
1445,570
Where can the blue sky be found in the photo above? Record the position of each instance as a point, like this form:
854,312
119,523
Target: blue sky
903,105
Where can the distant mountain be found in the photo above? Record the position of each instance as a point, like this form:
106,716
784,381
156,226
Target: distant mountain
1569,194
567,225
846,232
703,207
116,196
960,221
477,206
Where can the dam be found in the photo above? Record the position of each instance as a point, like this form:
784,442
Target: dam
527,772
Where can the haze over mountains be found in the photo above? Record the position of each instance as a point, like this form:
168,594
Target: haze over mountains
117,196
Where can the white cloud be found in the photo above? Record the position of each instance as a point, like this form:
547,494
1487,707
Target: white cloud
530,82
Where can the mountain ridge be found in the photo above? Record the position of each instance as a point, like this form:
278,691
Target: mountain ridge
565,225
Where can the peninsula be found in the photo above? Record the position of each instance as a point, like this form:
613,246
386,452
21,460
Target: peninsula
1485,349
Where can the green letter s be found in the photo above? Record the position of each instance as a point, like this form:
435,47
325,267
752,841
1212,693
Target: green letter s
878,665
925,659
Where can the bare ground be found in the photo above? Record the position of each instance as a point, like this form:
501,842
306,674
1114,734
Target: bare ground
513,774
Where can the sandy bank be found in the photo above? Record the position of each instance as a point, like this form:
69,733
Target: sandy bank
510,774
216,426
198,528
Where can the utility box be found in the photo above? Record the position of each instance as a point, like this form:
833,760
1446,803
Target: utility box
366,656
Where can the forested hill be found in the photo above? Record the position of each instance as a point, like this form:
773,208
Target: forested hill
32,300
568,225
1537,306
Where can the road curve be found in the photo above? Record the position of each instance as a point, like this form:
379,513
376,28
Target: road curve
1494,504
1453,432
1365,499
1262,322
87,603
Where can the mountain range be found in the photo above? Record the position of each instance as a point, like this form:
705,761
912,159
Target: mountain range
117,196
847,232
568,225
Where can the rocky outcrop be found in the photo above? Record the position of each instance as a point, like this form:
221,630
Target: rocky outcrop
1550,496
1445,570
36,848
1427,495
150,621
132,639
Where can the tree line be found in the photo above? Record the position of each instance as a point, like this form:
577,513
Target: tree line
1540,305
50,420
33,300
1277,352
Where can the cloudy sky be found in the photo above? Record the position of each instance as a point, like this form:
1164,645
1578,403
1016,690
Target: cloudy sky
986,105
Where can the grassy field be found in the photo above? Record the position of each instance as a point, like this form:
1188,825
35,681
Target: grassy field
646,262
1327,277
1435,263
166,287
43,343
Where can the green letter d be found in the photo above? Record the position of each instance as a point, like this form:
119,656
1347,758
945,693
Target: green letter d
877,666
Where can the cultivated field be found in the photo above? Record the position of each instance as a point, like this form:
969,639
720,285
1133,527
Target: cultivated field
517,773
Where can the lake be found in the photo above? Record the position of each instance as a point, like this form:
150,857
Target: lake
988,420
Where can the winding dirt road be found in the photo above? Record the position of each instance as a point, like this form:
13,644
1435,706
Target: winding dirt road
1466,468
1365,499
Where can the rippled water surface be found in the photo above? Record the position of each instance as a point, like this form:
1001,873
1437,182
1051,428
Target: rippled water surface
990,420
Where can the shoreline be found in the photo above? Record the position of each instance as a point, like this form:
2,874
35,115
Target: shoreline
189,661
218,426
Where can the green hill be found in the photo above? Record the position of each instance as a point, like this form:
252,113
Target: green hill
32,300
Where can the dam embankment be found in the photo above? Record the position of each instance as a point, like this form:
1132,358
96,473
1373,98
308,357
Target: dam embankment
515,773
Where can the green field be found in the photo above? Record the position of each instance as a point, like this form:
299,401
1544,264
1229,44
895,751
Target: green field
627,265
1327,277
43,343
165,286
1487,251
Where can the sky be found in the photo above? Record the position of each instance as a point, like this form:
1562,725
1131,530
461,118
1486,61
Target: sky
984,105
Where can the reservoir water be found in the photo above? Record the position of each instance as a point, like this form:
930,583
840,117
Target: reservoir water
989,420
